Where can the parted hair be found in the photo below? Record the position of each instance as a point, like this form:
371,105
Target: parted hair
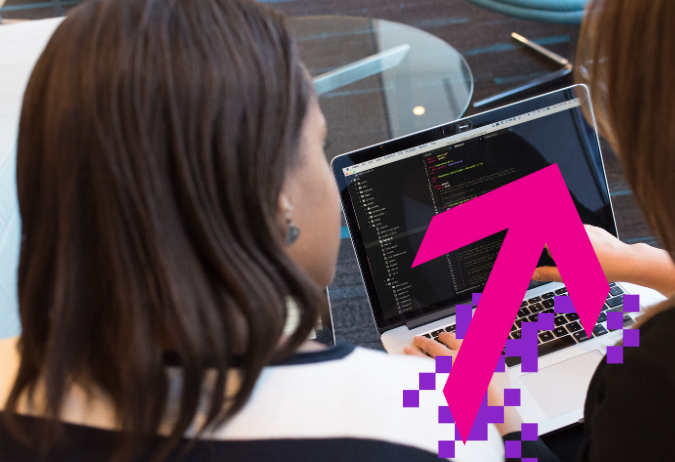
154,140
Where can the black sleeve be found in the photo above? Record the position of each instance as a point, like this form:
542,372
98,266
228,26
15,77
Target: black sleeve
536,449
630,409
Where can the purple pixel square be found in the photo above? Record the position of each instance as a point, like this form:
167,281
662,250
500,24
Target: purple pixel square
563,304
512,347
512,397
545,321
444,415
501,364
446,449
631,303
614,355
427,381
463,316
526,347
512,449
475,298
411,398
529,431
486,415
443,364
494,414
631,338
614,320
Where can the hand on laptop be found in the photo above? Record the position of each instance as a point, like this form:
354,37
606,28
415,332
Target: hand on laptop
637,263
450,347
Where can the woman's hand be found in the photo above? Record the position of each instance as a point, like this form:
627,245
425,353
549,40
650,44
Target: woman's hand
450,347
637,263
615,257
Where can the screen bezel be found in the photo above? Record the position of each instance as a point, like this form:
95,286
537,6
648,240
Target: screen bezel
436,133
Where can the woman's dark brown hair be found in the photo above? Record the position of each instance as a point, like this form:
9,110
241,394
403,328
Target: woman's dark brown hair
627,56
154,140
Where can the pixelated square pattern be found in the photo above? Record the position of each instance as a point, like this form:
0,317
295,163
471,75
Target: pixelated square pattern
427,381
512,397
446,449
443,364
512,449
444,415
529,431
631,337
411,398
526,348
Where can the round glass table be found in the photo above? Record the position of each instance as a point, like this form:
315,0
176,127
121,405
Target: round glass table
379,80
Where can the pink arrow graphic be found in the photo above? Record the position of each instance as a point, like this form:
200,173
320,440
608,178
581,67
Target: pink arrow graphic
510,207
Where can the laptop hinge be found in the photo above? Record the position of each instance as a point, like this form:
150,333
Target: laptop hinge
433,316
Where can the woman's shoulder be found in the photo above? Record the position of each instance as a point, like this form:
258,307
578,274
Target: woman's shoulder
634,394
355,395
353,364
646,374
656,333
655,354
342,394
379,362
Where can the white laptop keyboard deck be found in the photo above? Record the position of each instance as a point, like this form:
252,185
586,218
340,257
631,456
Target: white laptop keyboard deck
567,331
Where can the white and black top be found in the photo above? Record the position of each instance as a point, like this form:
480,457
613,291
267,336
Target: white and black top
340,404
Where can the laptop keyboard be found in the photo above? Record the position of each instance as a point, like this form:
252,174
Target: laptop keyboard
568,330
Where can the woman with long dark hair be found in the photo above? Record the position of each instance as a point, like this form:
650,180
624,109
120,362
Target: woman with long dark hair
178,213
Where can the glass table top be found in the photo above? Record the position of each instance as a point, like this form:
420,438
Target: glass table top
378,80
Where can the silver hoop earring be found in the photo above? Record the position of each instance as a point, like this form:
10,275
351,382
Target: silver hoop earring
292,231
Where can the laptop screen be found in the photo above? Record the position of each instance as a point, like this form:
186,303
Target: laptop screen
393,197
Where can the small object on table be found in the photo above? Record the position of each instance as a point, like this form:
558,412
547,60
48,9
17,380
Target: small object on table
548,78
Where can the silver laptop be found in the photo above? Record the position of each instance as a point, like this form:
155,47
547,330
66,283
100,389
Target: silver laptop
391,191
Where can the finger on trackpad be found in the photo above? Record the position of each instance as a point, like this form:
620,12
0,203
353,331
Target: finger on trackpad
561,387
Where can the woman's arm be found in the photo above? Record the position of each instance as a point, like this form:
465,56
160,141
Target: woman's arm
639,264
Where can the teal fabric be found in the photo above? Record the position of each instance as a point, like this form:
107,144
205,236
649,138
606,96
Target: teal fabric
558,11
546,5
10,242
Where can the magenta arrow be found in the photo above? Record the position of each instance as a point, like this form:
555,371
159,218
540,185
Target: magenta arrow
510,207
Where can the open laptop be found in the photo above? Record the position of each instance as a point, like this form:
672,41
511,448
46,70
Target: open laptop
391,191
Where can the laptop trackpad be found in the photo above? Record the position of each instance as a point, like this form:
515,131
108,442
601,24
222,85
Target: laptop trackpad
561,387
